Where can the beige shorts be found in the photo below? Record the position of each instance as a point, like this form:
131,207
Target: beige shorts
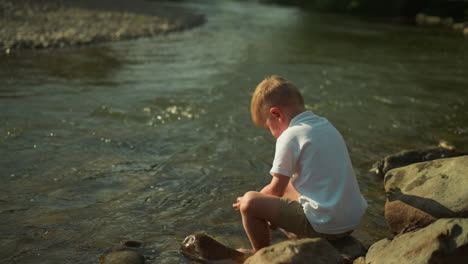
292,219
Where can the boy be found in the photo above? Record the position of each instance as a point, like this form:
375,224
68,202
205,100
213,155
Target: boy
313,191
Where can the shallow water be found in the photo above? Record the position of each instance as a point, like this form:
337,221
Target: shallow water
151,139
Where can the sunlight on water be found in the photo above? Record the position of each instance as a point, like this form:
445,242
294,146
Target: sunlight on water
149,115
172,113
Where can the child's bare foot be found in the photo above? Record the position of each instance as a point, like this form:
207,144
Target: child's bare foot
287,234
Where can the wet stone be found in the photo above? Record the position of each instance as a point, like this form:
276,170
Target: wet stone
122,257
202,248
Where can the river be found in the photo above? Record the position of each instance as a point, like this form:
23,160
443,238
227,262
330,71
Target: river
151,139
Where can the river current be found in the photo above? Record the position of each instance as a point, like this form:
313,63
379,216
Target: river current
151,139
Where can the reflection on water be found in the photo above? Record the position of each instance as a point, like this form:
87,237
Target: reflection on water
152,117
151,139
92,63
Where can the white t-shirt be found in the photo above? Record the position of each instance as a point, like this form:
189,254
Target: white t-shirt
313,153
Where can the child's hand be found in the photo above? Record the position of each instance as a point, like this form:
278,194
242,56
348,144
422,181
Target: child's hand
237,204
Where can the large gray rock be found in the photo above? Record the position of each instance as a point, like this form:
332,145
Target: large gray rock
349,247
407,157
445,241
423,192
301,251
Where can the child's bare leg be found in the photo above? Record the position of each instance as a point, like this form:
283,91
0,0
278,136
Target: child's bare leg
256,209
257,230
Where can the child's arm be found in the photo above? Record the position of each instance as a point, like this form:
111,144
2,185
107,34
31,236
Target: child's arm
277,186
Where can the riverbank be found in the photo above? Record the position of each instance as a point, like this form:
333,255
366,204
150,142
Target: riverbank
28,24
425,208
450,23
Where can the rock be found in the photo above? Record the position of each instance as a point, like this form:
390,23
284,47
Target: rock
458,27
445,241
122,257
407,157
307,250
203,248
360,260
423,19
447,21
420,18
349,247
421,193
127,251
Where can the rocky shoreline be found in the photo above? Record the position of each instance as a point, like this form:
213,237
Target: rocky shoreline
28,24
460,27
426,209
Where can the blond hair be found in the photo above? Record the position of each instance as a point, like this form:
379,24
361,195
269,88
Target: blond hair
273,91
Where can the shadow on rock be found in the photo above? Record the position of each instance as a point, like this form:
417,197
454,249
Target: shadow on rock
421,193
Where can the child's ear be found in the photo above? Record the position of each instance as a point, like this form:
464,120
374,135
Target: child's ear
275,112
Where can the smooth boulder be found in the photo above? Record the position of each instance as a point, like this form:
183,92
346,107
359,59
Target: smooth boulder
300,251
445,241
421,193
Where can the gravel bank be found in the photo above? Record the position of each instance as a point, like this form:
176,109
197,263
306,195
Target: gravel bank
33,24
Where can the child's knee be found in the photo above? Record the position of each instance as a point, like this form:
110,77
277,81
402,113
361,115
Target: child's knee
248,202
